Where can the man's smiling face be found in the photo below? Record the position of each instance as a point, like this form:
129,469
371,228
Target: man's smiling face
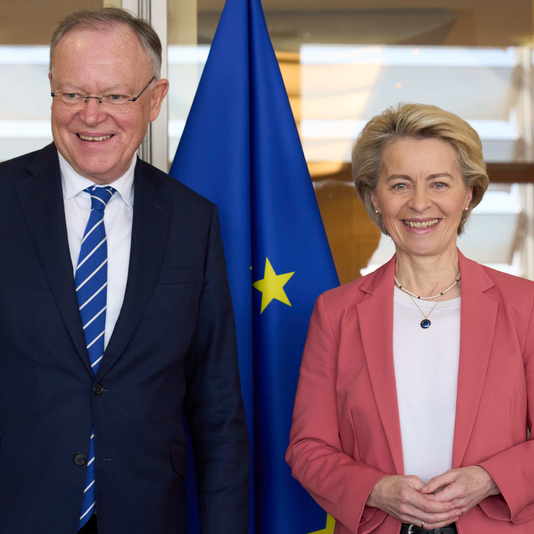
99,140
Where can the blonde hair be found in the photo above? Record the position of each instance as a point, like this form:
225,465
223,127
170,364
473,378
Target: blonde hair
416,121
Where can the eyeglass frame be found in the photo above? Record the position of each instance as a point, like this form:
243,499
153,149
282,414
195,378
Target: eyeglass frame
99,98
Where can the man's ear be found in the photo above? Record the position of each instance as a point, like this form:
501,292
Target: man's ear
158,94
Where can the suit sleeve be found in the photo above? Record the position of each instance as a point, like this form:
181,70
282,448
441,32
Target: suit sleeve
513,469
213,404
338,483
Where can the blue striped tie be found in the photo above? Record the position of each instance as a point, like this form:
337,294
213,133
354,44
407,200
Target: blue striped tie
91,288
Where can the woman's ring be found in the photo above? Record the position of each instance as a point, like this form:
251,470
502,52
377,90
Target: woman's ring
422,524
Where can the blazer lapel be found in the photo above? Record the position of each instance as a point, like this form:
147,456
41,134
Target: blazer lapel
151,220
478,317
41,200
376,326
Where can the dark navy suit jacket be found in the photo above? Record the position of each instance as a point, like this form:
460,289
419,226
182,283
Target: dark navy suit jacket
173,351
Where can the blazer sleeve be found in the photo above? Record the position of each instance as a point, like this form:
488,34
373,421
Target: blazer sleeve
513,469
339,483
213,405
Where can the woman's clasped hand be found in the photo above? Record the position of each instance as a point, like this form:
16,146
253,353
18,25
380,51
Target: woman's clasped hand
401,497
439,502
465,487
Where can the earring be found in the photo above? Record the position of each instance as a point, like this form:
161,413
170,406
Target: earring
376,211
466,208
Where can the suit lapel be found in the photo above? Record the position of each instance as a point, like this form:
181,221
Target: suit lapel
151,220
478,317
376,326
41,200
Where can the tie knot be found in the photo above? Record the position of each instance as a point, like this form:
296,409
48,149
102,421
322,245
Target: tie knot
100,197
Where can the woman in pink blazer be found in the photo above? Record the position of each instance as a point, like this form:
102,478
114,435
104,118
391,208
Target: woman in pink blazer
416,387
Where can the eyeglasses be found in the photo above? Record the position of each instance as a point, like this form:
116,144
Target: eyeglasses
111,99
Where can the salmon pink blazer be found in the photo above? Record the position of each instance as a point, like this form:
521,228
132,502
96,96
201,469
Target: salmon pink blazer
346,430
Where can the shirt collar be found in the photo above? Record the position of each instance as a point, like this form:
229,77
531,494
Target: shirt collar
72,183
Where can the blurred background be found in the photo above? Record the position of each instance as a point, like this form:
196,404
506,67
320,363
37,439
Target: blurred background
342,62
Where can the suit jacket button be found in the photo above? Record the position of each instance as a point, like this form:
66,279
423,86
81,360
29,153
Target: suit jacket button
80,459
98,389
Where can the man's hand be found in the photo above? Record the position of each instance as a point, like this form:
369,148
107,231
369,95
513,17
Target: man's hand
401,498
465,487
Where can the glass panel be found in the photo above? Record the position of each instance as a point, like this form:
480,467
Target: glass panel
25,92
185,64
342,87
25,101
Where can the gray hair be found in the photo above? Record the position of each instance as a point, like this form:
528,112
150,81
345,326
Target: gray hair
416,121
107,18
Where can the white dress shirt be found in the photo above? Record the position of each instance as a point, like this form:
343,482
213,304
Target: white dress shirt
426,373
118,218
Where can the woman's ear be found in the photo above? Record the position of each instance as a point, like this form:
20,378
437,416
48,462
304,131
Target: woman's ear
374,200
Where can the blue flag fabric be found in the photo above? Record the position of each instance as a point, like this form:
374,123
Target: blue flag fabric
241,149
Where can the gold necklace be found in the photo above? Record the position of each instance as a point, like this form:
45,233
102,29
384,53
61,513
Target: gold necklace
425,323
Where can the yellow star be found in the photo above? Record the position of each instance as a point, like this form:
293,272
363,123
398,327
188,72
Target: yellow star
272,286
329,529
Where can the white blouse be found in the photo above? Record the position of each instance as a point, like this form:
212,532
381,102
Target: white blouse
426,373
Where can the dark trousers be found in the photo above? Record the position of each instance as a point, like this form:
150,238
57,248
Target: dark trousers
448,529
90,527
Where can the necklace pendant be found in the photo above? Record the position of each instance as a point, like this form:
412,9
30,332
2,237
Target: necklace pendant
425,323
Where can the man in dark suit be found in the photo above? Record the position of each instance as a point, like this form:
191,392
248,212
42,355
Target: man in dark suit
92,439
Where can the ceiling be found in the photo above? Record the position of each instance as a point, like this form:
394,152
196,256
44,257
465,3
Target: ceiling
32,21
447,22
434,22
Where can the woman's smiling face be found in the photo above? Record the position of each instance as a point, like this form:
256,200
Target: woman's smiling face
421,196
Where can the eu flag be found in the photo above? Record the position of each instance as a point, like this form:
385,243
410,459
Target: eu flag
241,149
